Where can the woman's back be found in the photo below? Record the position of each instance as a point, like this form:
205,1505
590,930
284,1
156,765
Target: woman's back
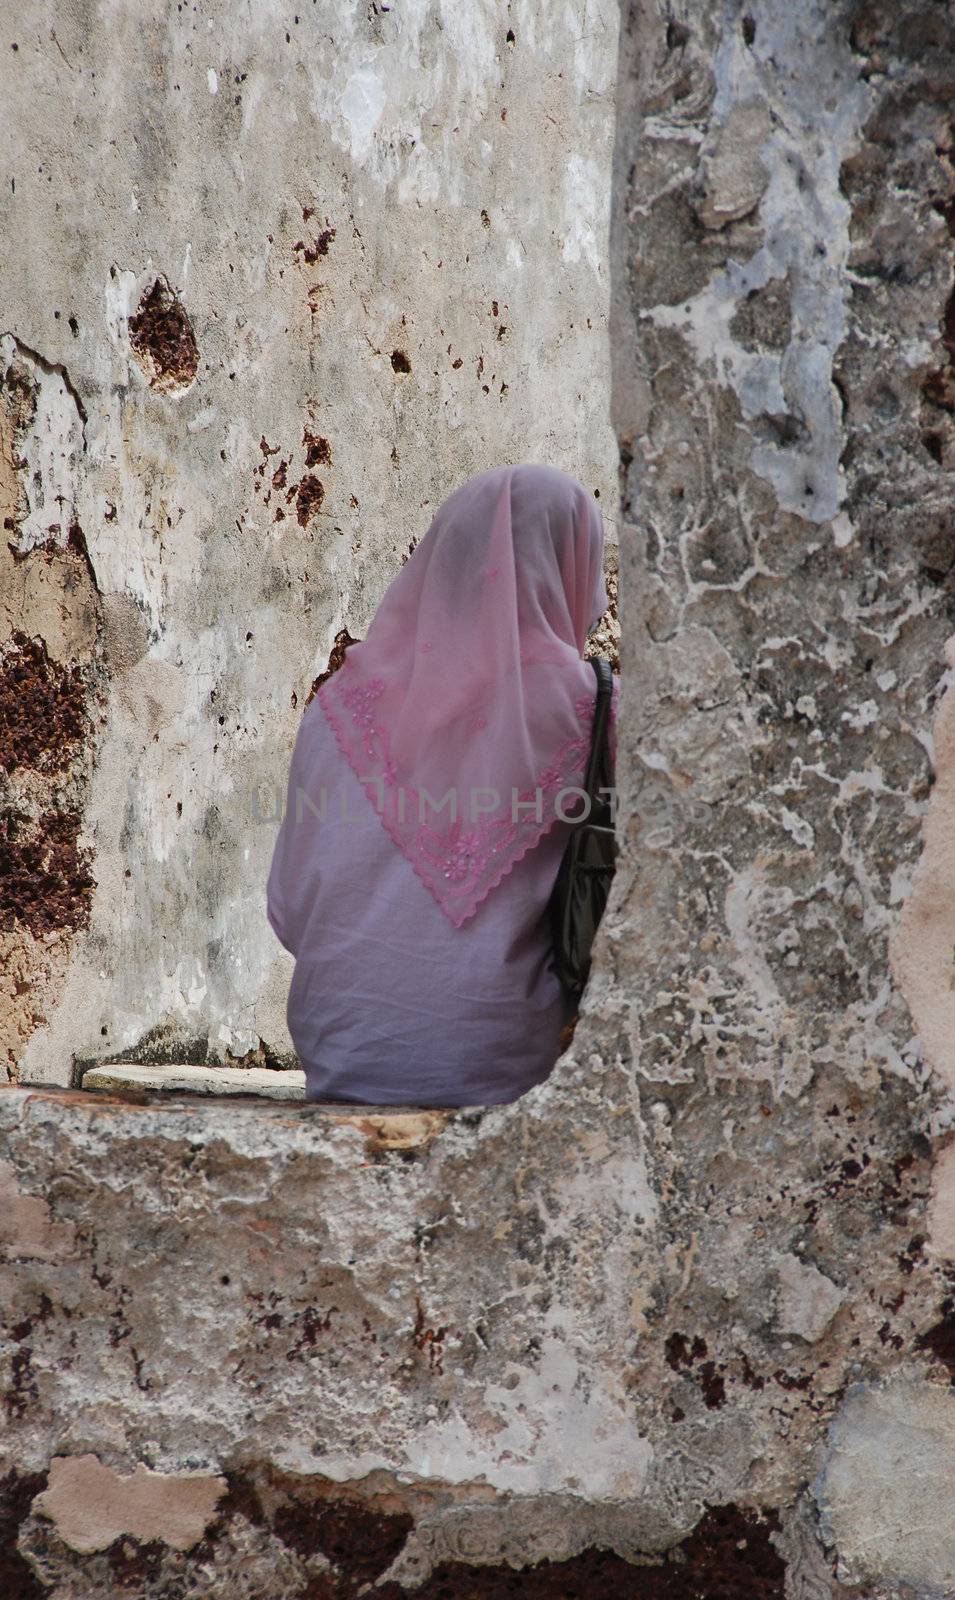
388,1004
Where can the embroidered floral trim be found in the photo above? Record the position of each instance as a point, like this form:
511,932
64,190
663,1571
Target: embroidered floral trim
360,699
460,856
460,863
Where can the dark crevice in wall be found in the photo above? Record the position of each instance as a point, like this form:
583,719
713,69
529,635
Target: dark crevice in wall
360,1541
320,243
318,451
938,390
939,1340
76,542
309,495
729,1556
46,881
17,1492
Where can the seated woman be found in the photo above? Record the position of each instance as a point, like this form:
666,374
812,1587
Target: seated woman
428,806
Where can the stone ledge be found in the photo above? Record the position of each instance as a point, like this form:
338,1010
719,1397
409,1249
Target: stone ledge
242,1116
245,1119
182,1078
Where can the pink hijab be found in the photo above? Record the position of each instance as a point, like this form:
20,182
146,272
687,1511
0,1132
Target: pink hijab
467,708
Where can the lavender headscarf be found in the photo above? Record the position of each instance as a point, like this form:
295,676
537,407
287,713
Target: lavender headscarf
467,708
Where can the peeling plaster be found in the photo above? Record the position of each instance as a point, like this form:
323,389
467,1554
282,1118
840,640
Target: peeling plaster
50,450
91,1505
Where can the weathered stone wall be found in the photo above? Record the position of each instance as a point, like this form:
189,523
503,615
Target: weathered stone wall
680,1320
276,281
783,395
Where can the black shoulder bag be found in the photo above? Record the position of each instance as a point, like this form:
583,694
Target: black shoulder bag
583,880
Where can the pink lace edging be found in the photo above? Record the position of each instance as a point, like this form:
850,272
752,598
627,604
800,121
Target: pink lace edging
475,898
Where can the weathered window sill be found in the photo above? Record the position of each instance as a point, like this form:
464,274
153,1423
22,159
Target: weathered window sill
146,1090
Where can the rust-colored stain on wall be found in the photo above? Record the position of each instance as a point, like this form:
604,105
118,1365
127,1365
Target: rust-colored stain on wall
308,499
342,641
162,340
46,877
43,708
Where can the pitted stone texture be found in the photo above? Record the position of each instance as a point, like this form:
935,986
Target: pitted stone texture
923,945
781,394
394,1276
497,1316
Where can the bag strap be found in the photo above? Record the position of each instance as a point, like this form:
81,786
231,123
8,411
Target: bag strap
598,735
